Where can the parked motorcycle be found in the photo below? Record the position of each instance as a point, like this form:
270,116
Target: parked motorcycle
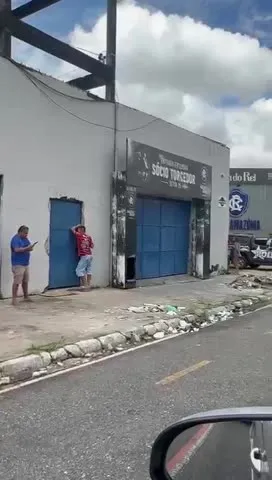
221,444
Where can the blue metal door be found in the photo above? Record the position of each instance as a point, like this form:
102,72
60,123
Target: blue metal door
63,258
163,229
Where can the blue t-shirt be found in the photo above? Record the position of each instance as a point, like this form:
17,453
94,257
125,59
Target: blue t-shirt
19,258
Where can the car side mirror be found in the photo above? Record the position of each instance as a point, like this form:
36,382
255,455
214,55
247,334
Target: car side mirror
224,444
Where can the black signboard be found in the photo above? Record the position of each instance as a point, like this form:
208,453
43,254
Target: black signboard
161,173
251,176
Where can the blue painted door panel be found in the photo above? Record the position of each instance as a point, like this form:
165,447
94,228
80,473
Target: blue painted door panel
151,212
167,264
139,216
139,210
150,267
168,213
139,251
163,228
63,257
139,238
151,238
168,239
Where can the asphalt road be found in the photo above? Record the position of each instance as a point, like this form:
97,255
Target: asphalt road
99,422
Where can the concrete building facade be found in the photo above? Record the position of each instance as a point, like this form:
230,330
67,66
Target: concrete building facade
62,153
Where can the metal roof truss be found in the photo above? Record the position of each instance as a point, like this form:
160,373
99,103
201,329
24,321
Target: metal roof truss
99,74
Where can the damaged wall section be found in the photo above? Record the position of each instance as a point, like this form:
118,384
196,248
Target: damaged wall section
123,232
200,235
118,229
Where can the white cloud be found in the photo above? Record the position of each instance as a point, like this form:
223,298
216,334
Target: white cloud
179,69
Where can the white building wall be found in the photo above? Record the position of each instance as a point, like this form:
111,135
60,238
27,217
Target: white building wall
46,151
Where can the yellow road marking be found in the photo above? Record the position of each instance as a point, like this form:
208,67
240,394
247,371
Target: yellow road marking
182,373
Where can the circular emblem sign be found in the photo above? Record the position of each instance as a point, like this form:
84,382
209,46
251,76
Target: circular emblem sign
204,174
238,202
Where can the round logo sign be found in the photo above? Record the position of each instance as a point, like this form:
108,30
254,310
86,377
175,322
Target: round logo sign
238,202
204,174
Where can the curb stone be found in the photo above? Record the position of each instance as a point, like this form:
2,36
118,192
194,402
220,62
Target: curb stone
37,365
88,346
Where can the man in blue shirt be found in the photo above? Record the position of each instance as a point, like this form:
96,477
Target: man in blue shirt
20,256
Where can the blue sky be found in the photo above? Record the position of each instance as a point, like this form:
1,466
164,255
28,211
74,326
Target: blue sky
59,19
235,107
248,16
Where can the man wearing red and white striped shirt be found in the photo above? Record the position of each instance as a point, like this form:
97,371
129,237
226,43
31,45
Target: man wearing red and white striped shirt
85,246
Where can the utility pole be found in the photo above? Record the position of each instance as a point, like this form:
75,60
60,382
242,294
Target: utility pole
5,37
111,47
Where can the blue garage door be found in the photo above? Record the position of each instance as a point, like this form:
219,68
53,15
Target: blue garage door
62,247
163,228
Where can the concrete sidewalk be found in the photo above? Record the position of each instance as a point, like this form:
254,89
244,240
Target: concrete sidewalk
61,317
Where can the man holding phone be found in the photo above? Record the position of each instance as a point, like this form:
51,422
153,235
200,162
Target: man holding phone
20,256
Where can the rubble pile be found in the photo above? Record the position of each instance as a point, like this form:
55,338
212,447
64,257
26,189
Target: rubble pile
170,310
179,321
249,280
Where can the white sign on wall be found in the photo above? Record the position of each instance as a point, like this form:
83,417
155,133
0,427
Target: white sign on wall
222,201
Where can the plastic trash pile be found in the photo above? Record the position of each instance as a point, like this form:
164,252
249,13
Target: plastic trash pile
250,280
177,319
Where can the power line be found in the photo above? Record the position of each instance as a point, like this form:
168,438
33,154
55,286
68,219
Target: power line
33,80
28,74
90,51
62,107
66,73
